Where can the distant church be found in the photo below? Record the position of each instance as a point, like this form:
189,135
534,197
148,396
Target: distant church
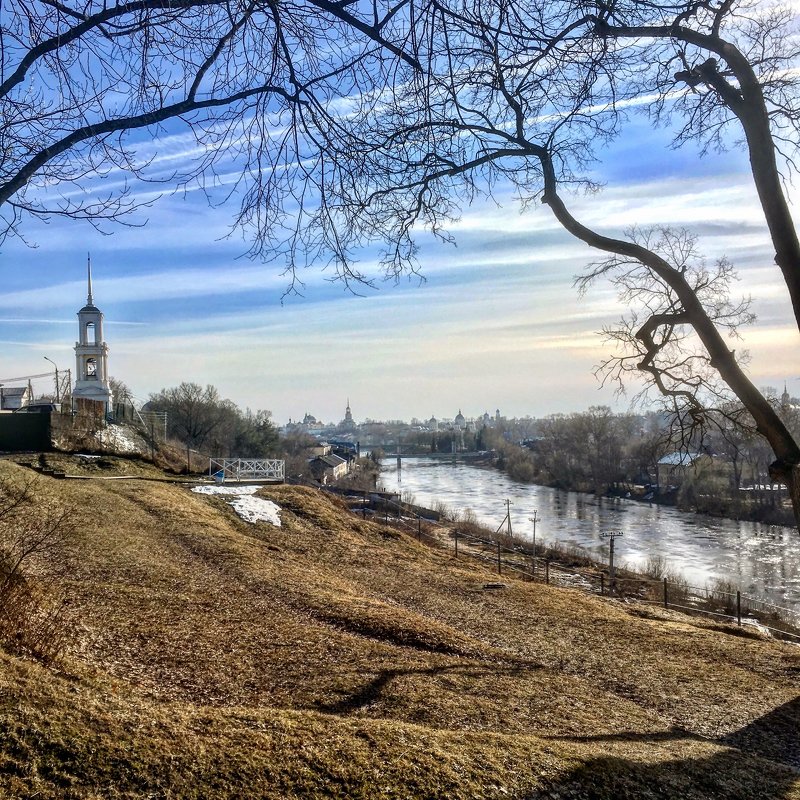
91,355
348,424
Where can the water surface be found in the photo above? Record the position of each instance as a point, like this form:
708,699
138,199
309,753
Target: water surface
762,560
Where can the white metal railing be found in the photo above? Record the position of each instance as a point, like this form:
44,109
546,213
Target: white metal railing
237,469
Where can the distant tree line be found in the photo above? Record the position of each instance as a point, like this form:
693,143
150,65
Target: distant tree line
594,450
604,452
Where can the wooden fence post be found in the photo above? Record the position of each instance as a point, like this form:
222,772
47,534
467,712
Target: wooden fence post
499,564
419,528
739,607
602,583
547,571
666,593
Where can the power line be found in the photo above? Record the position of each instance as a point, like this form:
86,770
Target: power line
27,377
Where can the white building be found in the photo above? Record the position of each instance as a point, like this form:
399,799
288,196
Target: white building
14,397
91,355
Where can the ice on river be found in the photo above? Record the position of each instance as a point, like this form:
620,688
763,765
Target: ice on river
762,560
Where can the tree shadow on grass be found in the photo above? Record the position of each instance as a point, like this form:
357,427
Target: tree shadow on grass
723,776
763,762
764,765
775,735
371,691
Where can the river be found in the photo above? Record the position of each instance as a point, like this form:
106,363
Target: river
761,560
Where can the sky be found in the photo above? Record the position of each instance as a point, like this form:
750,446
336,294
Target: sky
497,323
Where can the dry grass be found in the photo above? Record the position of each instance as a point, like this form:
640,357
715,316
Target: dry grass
332,657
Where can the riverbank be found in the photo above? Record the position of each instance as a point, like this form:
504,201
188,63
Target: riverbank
749,512
762,560
777,511
573,566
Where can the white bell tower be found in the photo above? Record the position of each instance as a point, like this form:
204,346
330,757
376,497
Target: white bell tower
91,353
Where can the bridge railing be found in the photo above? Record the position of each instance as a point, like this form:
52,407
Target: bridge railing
238,469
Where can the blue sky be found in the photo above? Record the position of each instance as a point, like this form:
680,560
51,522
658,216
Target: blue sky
497,324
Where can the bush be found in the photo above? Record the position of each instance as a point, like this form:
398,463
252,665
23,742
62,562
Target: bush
33,608
655,567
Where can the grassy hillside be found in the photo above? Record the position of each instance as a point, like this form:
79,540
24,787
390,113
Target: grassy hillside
332,657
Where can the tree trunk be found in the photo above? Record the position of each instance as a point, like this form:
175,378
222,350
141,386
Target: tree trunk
768,422
789,475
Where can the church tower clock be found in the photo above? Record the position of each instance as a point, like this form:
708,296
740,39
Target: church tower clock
91,354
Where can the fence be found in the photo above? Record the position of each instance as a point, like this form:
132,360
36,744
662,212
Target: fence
520,561
238,469
23,432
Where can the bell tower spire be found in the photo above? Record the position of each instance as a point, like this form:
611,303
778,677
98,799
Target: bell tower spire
89,301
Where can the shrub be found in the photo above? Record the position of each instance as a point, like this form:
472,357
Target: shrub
33,609
655,567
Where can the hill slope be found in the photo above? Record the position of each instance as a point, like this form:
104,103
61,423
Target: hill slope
332,657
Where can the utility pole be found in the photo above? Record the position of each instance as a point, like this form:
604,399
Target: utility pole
506,521
611,536
534,519
58,394
69,390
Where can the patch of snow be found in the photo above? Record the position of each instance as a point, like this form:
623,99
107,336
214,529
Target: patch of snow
209,489
253,509
757,625
248,507
118,439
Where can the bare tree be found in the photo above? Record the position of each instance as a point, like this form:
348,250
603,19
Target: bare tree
200,417
34,533
261,84
195,414
718,65
353,123
527,93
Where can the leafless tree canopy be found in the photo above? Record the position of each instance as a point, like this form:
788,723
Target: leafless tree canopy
333,124
260,86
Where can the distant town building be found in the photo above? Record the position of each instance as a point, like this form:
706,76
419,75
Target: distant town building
673,468
347,425
328,468
91,354
459,422
786,400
